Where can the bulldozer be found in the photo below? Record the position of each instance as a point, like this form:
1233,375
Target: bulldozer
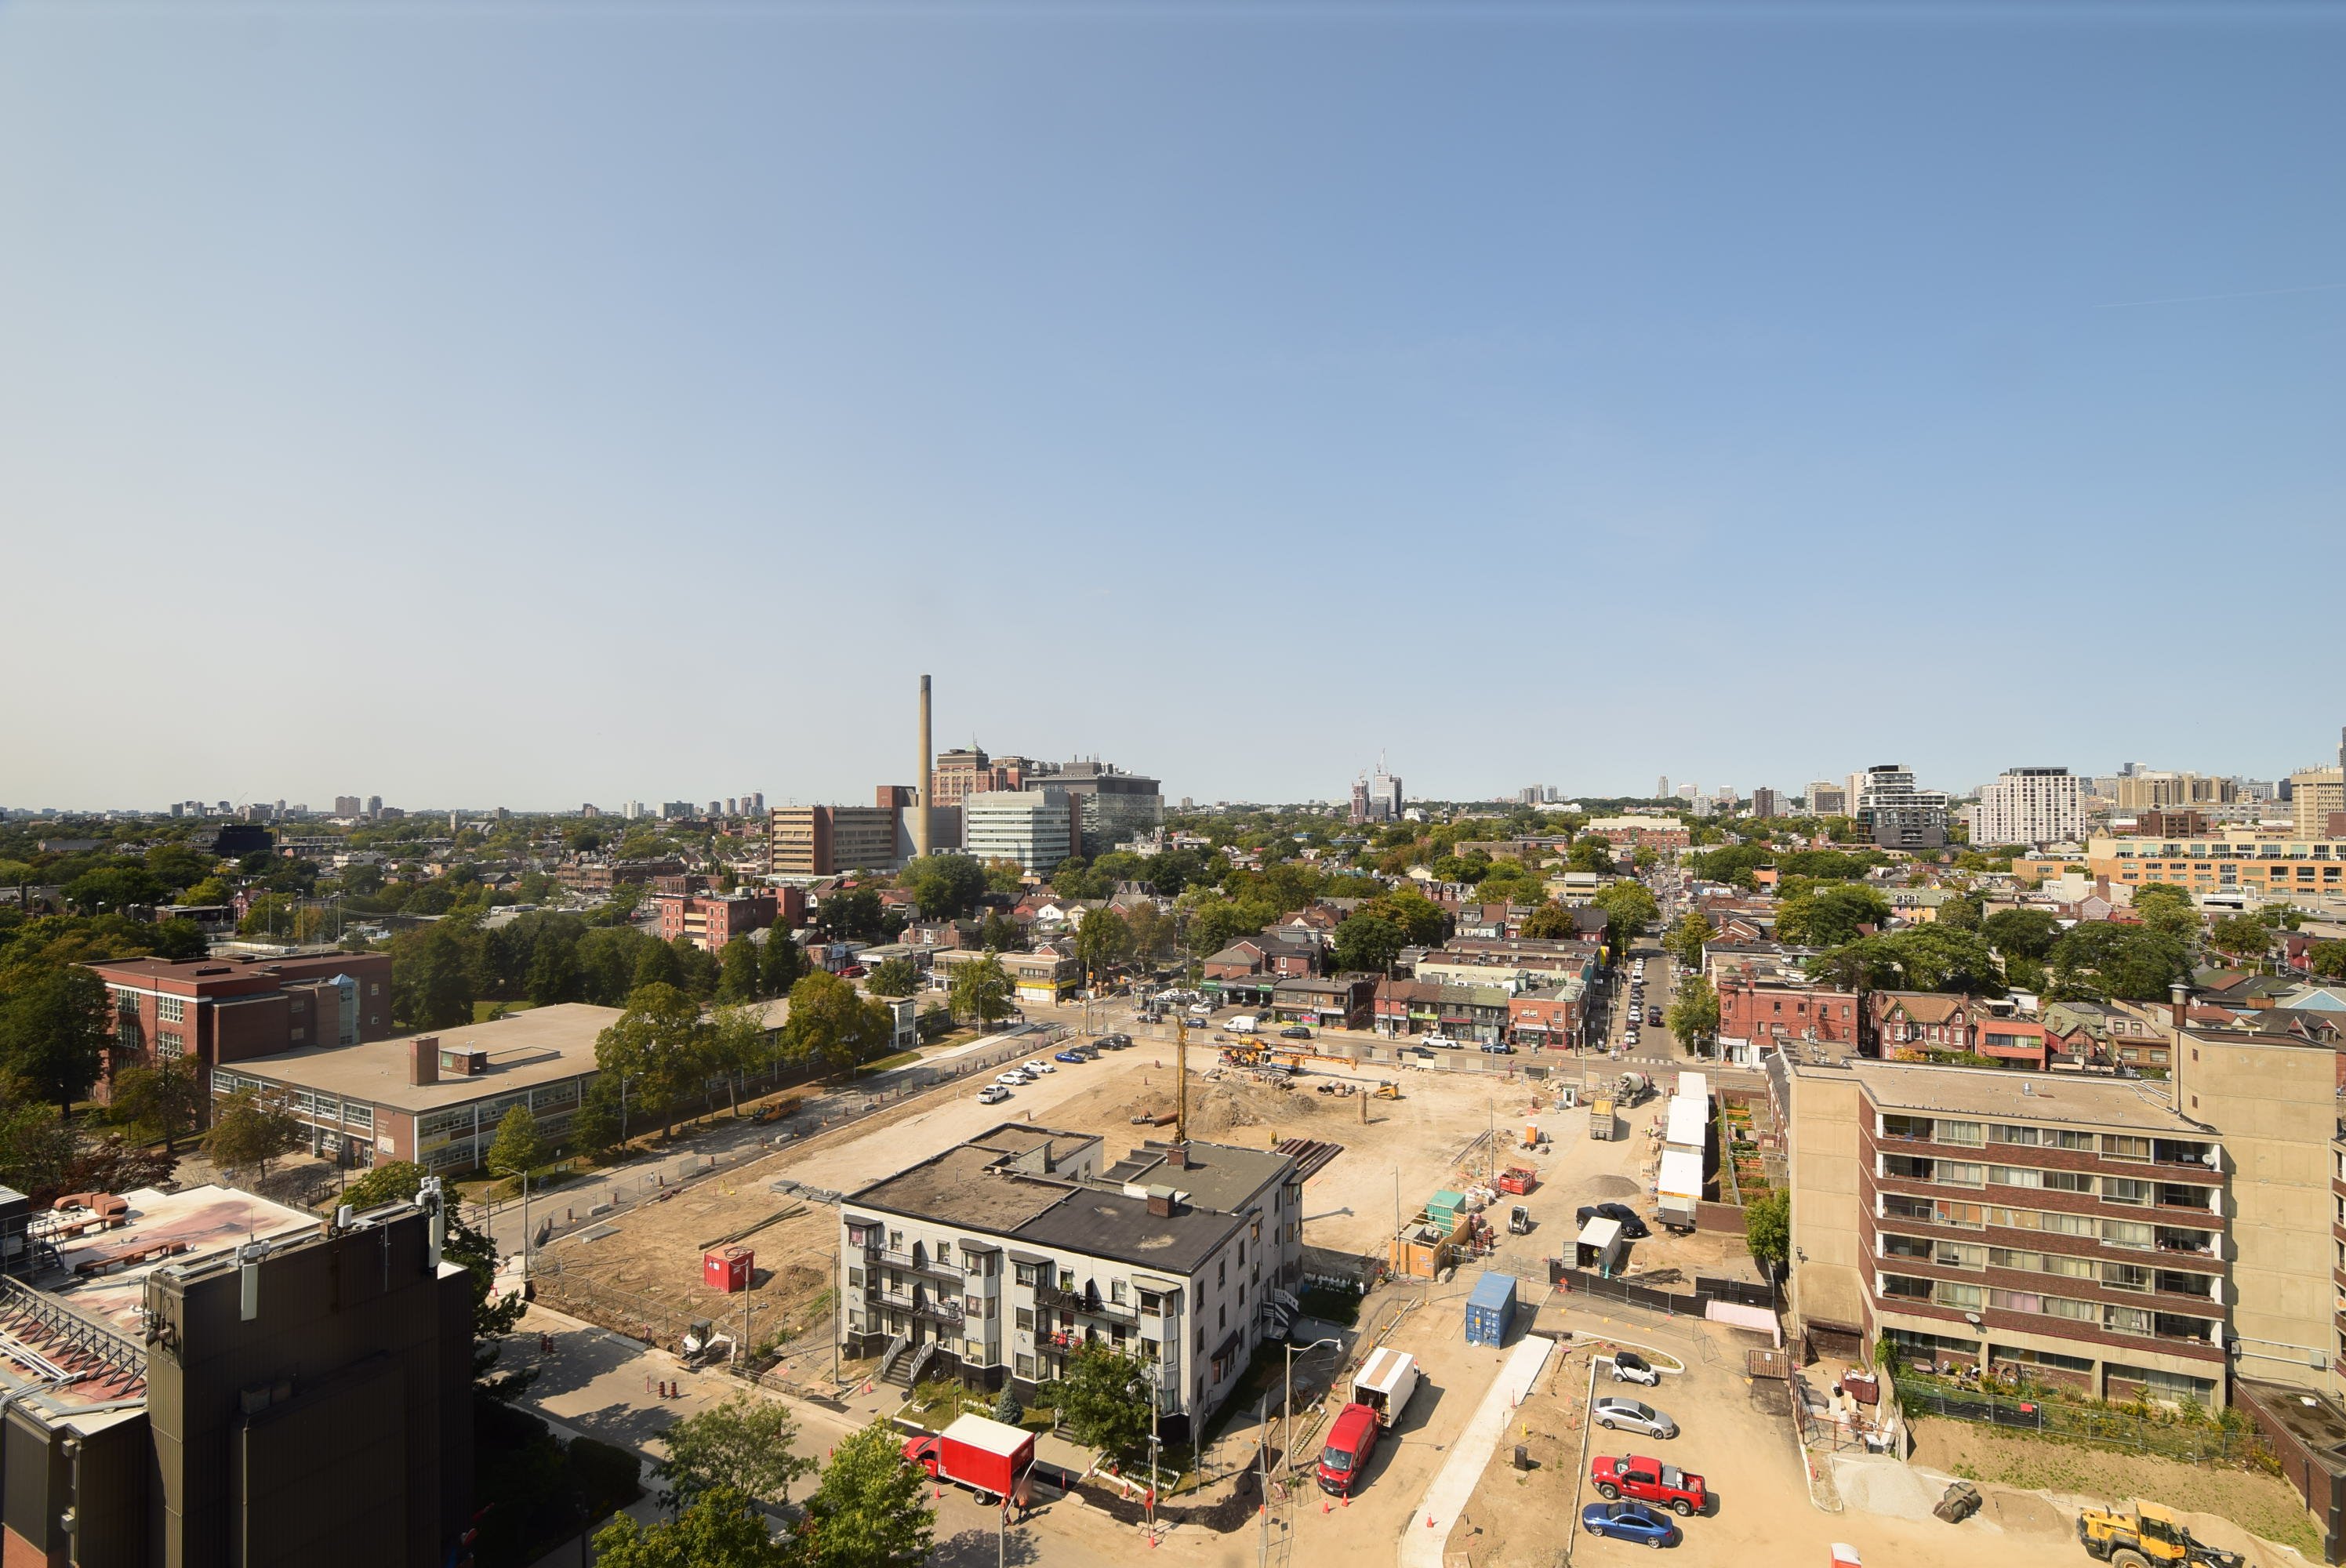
2149,1534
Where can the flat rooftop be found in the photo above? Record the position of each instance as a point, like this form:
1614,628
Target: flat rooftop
538,1045
101,1279
2025,1096
1218,1176
1102,1221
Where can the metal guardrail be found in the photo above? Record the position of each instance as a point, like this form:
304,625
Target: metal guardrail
20,1302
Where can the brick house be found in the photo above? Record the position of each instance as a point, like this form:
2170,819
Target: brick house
1761,1012
1337,1002
1921,1021
1244,957
1547,1019
710,921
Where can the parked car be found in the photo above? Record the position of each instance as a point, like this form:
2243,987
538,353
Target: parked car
1037,1065
1114,1042
1631,1225
992,1094
1072,1057
1295,1032
1619,1411
1648,1481
1013,1077
1628,1367
1629,1522
1351,1439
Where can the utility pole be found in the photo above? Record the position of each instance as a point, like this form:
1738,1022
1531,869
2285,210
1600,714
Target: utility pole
1180,1082
1263,1476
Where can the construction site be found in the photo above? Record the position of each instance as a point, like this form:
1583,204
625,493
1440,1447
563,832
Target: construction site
1408,1171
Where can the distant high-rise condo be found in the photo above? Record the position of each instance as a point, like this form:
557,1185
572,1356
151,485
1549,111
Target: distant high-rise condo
1662,787
1898,815
374,805
1033,827
2315,795
1763,802
827,841
1360,812
1828,800
2031,806
346,805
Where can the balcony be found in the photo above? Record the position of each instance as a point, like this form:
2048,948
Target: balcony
1075,1301
893,1259
937,1309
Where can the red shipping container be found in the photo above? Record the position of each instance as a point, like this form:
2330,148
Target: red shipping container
729,1269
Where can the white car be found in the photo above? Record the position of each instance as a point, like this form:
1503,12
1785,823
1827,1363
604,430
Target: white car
1013,1077
992,1094
1033,1069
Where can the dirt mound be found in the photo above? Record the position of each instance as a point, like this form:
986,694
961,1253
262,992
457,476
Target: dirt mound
1224,1105
1610,1186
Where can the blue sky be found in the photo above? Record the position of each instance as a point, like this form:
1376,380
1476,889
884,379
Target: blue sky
534,403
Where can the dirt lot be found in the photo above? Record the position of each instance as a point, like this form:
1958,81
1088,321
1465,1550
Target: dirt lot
647,1261
2259,1503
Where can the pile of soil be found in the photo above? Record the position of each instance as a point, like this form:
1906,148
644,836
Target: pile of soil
1226,1105
1613,1186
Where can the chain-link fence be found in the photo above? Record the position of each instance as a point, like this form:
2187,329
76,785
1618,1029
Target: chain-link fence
2194,1441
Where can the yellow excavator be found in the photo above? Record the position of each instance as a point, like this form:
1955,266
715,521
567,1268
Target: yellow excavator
2150,1534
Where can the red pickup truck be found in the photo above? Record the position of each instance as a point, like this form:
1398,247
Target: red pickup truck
1648,1481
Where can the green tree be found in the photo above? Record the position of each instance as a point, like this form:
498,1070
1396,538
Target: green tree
781,963
657,964
517,1149
432,981
1590,853
981,990
180,938
720,1530
210,890
944,886
1103,1399
1830,915
393,1181
251,1131
1000,933
744,1445
1549,922
654,1051
2021,934
1103,941
53,1032
1369,943
1693,1013
737,973
2100,960
1686,937
737,1045
835,1026
112,888
856,914
893,977
1768,1229
1422,920
1645,858
596,1129
161,1104
2327,960
1924,958
2167,909
2244,937
553,972
872,1509
1629,908
37,1146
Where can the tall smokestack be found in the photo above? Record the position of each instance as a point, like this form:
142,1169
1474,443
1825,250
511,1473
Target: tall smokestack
921,781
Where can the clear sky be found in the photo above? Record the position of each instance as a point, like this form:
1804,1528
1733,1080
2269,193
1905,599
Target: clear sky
530,405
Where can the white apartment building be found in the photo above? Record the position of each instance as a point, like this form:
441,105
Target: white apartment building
2031,806
1033,827
1900,816
995,1262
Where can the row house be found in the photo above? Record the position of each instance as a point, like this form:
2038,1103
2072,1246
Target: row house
1537,955
1919,1021
1777,1012
995,1262
2096,1034
1479,1014
1548,1017
1337,1002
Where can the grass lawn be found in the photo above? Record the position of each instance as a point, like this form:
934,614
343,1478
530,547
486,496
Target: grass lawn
487,1012
888,1064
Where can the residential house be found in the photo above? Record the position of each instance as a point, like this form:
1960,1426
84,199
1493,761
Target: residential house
1928,1021
1777,1011
1335,1001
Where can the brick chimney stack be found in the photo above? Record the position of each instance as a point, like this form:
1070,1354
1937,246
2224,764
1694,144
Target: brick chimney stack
423,1060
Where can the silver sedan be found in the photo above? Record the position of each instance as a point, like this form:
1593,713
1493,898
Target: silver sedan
1613,1411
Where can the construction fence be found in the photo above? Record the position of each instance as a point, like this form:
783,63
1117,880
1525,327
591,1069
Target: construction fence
2192,1441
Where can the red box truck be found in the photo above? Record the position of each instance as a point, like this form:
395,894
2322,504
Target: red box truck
991,1458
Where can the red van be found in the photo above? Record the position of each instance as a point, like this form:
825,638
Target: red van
1350,1441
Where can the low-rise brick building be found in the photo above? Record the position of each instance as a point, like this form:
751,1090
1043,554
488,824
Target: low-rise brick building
710,921
226,1010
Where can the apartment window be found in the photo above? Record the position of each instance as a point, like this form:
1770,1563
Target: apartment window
1917,1127
1967,1297
1027,1368
1152,1305
170,1047
1068,1281
1116,1291
855,1280
2117,1147
1030,1274
2171,1283
2127,1320
2070,1140
2125,1277
1906,1288
2018,1138
171,1008
2065,1181
895,1241
2128,1233
2014,1175
1960,1173
974,1349
2124,1189
1025,1319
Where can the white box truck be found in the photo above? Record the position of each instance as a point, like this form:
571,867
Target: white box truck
1244,1023
1384,1383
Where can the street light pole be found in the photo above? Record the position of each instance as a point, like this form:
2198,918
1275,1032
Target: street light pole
1287,1403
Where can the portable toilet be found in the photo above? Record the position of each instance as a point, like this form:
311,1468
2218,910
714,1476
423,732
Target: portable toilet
1491,1309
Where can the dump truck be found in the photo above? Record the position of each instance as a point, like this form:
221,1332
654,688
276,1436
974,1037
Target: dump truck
989,1457
1600,1119
2149,1534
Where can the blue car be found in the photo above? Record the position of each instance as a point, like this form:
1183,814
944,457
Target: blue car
1070,1057
1629,1521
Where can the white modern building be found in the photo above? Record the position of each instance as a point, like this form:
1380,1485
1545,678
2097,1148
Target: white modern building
995,1262
2031,806
1898,815
1033,827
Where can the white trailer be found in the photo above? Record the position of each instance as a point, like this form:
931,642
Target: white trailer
1384,1383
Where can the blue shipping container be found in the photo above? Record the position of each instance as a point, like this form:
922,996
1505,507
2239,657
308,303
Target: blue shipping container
1490,1310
